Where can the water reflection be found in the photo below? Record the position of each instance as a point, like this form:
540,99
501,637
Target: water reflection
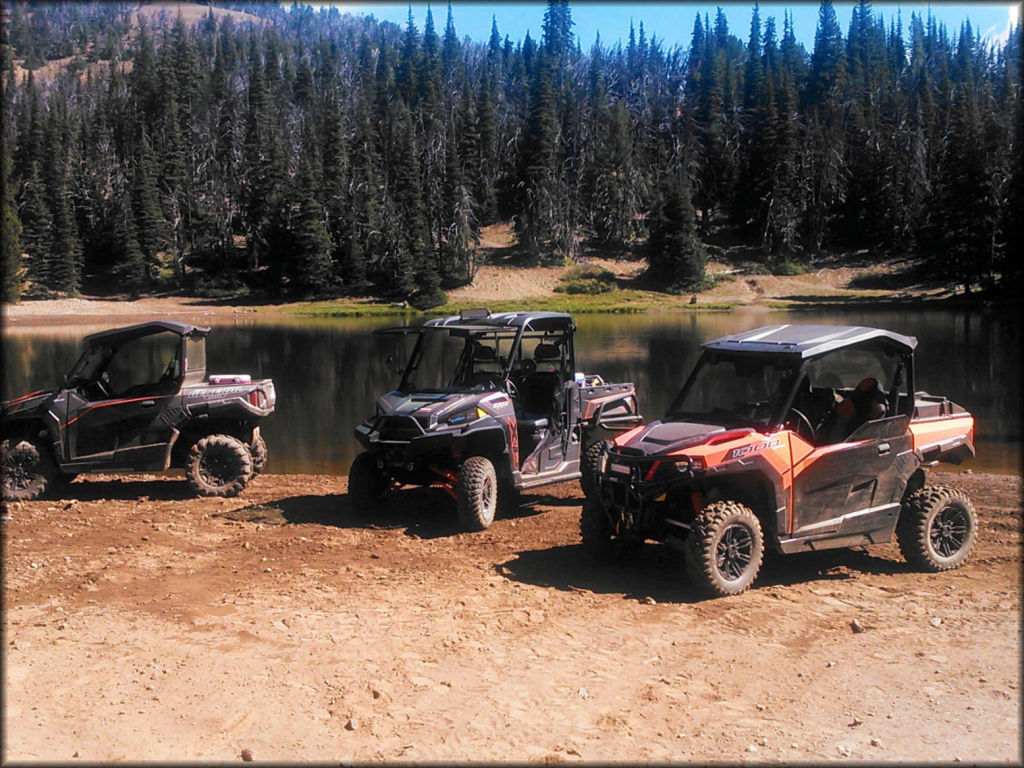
330,372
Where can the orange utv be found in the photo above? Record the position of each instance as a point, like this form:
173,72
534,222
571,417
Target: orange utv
793,437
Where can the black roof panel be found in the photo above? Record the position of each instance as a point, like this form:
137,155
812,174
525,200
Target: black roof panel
806,340
531,320
126,333
476,323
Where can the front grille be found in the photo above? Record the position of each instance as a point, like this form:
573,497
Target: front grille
399,428
636,467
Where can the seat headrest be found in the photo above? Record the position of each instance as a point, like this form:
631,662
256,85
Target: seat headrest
546,352
484,353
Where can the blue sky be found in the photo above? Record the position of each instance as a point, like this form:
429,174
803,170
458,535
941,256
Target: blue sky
672,23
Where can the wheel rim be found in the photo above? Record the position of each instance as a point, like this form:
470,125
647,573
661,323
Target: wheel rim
949,531
734,552
19,470
217,468
487,494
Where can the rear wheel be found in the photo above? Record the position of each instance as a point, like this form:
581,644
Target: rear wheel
725,549
29,470
937,528
476,493
368,483
589,466
219,465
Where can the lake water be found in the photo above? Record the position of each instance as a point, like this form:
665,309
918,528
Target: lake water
329,373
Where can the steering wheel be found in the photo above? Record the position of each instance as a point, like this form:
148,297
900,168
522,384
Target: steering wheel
801,422
511,389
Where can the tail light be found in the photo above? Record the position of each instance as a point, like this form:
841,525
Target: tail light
257,398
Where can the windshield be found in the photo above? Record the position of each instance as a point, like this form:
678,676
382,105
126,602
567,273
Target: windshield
438,360
736,390
484,360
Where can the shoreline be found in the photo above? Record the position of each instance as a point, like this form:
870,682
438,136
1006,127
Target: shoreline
112,310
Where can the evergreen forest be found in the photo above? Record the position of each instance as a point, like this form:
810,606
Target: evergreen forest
294,152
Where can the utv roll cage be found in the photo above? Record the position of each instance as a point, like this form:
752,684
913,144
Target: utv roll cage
476,326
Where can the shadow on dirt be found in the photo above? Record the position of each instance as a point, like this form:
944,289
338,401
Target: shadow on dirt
828,565
655,572
659,572
425,513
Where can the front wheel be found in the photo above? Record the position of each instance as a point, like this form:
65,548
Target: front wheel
219,465
476,493
29,470
725,549
368,482
259,452
937,528
595,528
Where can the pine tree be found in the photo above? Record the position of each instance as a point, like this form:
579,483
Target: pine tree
130,268
1012,267
63,271
676,257
10,234
825,149
451,52
484,167
355,248
828,72
174,183
30,133
536,172
37,224
309,270
154,235
459,235
963,217
558,25
408,63
262,167
781,238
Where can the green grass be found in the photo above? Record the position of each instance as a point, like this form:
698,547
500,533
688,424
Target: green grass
348,308
615,301
586,280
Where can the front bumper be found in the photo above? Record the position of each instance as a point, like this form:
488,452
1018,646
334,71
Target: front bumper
639,499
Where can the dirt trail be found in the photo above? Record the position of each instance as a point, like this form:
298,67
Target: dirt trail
141,624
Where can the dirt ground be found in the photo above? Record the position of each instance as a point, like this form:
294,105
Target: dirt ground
283,625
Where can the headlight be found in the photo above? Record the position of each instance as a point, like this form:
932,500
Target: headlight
689,463
469,414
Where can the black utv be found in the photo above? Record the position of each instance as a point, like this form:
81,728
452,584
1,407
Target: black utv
138,400
513,414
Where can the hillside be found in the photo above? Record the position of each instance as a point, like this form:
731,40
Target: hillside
293,153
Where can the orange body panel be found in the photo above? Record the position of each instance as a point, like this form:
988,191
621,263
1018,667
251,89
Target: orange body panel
934,431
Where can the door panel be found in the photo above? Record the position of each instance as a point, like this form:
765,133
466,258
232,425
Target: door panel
853,486
118,425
